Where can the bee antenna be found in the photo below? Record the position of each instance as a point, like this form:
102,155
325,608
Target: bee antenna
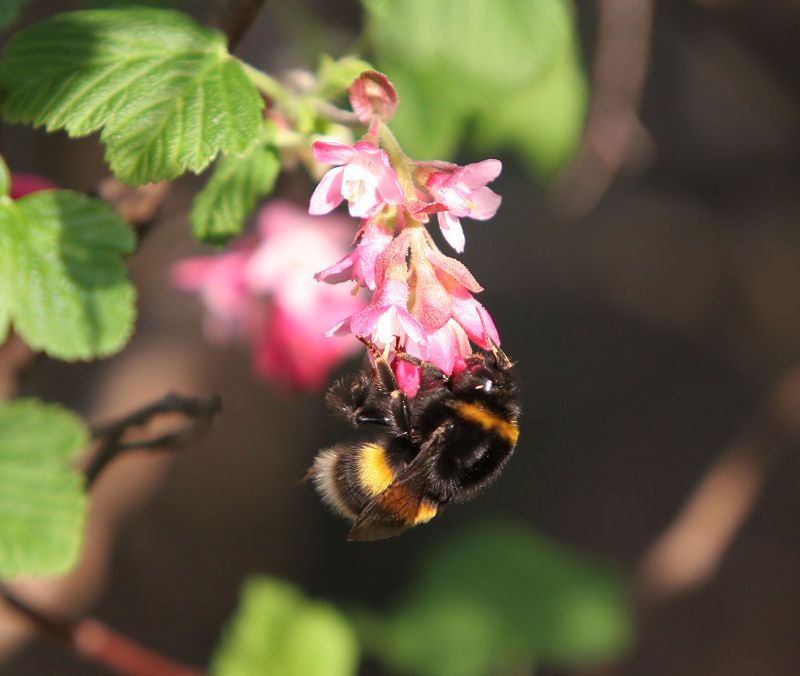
499,356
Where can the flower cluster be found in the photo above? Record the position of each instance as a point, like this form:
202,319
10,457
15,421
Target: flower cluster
422,301
261,293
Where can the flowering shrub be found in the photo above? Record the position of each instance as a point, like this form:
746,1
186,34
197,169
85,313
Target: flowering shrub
422,301
165,96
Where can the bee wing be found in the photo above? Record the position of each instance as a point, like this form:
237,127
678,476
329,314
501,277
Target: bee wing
404,502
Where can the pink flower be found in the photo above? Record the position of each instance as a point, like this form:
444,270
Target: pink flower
365,179
359,264
463,191
220,282
262,293
386,319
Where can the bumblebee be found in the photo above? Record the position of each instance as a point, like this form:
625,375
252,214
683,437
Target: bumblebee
445,444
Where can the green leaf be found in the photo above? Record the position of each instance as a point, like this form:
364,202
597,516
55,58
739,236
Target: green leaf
514,81
500,598
431,118
543,124
9,11
221,208
279,632
42,500
62,280
164,91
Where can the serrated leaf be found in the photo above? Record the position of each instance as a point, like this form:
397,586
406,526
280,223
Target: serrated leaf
42,500
162,89
501,598
62,279
279,632
222,206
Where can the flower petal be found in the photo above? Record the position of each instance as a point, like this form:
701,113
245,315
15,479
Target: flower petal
485,204
480,173
328,194
341,271
452,230
474,319
456,270
332,152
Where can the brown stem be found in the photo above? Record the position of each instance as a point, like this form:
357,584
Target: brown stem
614,134
689,551
98,643
199,412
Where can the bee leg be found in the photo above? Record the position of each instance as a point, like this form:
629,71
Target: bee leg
384,376
352,399
431,376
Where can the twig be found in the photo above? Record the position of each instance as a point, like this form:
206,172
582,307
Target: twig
97,642
200,413
690,550
614,134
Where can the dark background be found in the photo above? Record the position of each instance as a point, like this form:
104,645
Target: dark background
648,333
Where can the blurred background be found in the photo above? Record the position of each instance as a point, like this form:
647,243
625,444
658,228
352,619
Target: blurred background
644,272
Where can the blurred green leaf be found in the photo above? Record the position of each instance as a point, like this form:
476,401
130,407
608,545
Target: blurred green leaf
279,632
335,76
164,90
499,597
220,209
42,500
543,124
505,73
9,11
62,279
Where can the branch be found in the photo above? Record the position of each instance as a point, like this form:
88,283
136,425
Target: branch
199,413
614,135
690,550
98,643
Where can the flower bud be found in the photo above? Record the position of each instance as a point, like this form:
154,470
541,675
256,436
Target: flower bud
373,96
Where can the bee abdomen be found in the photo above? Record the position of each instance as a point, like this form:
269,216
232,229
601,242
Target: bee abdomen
348,477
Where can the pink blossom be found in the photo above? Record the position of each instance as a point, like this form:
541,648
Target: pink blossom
463,191
262,293
24,184
359,264
386,319
365,179
220,282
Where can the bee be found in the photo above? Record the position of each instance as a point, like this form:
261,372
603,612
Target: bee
445,444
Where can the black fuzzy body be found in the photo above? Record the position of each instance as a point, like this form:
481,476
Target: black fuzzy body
443,445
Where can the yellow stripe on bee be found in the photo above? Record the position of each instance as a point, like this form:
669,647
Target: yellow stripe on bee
425,513
374,472
488,420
